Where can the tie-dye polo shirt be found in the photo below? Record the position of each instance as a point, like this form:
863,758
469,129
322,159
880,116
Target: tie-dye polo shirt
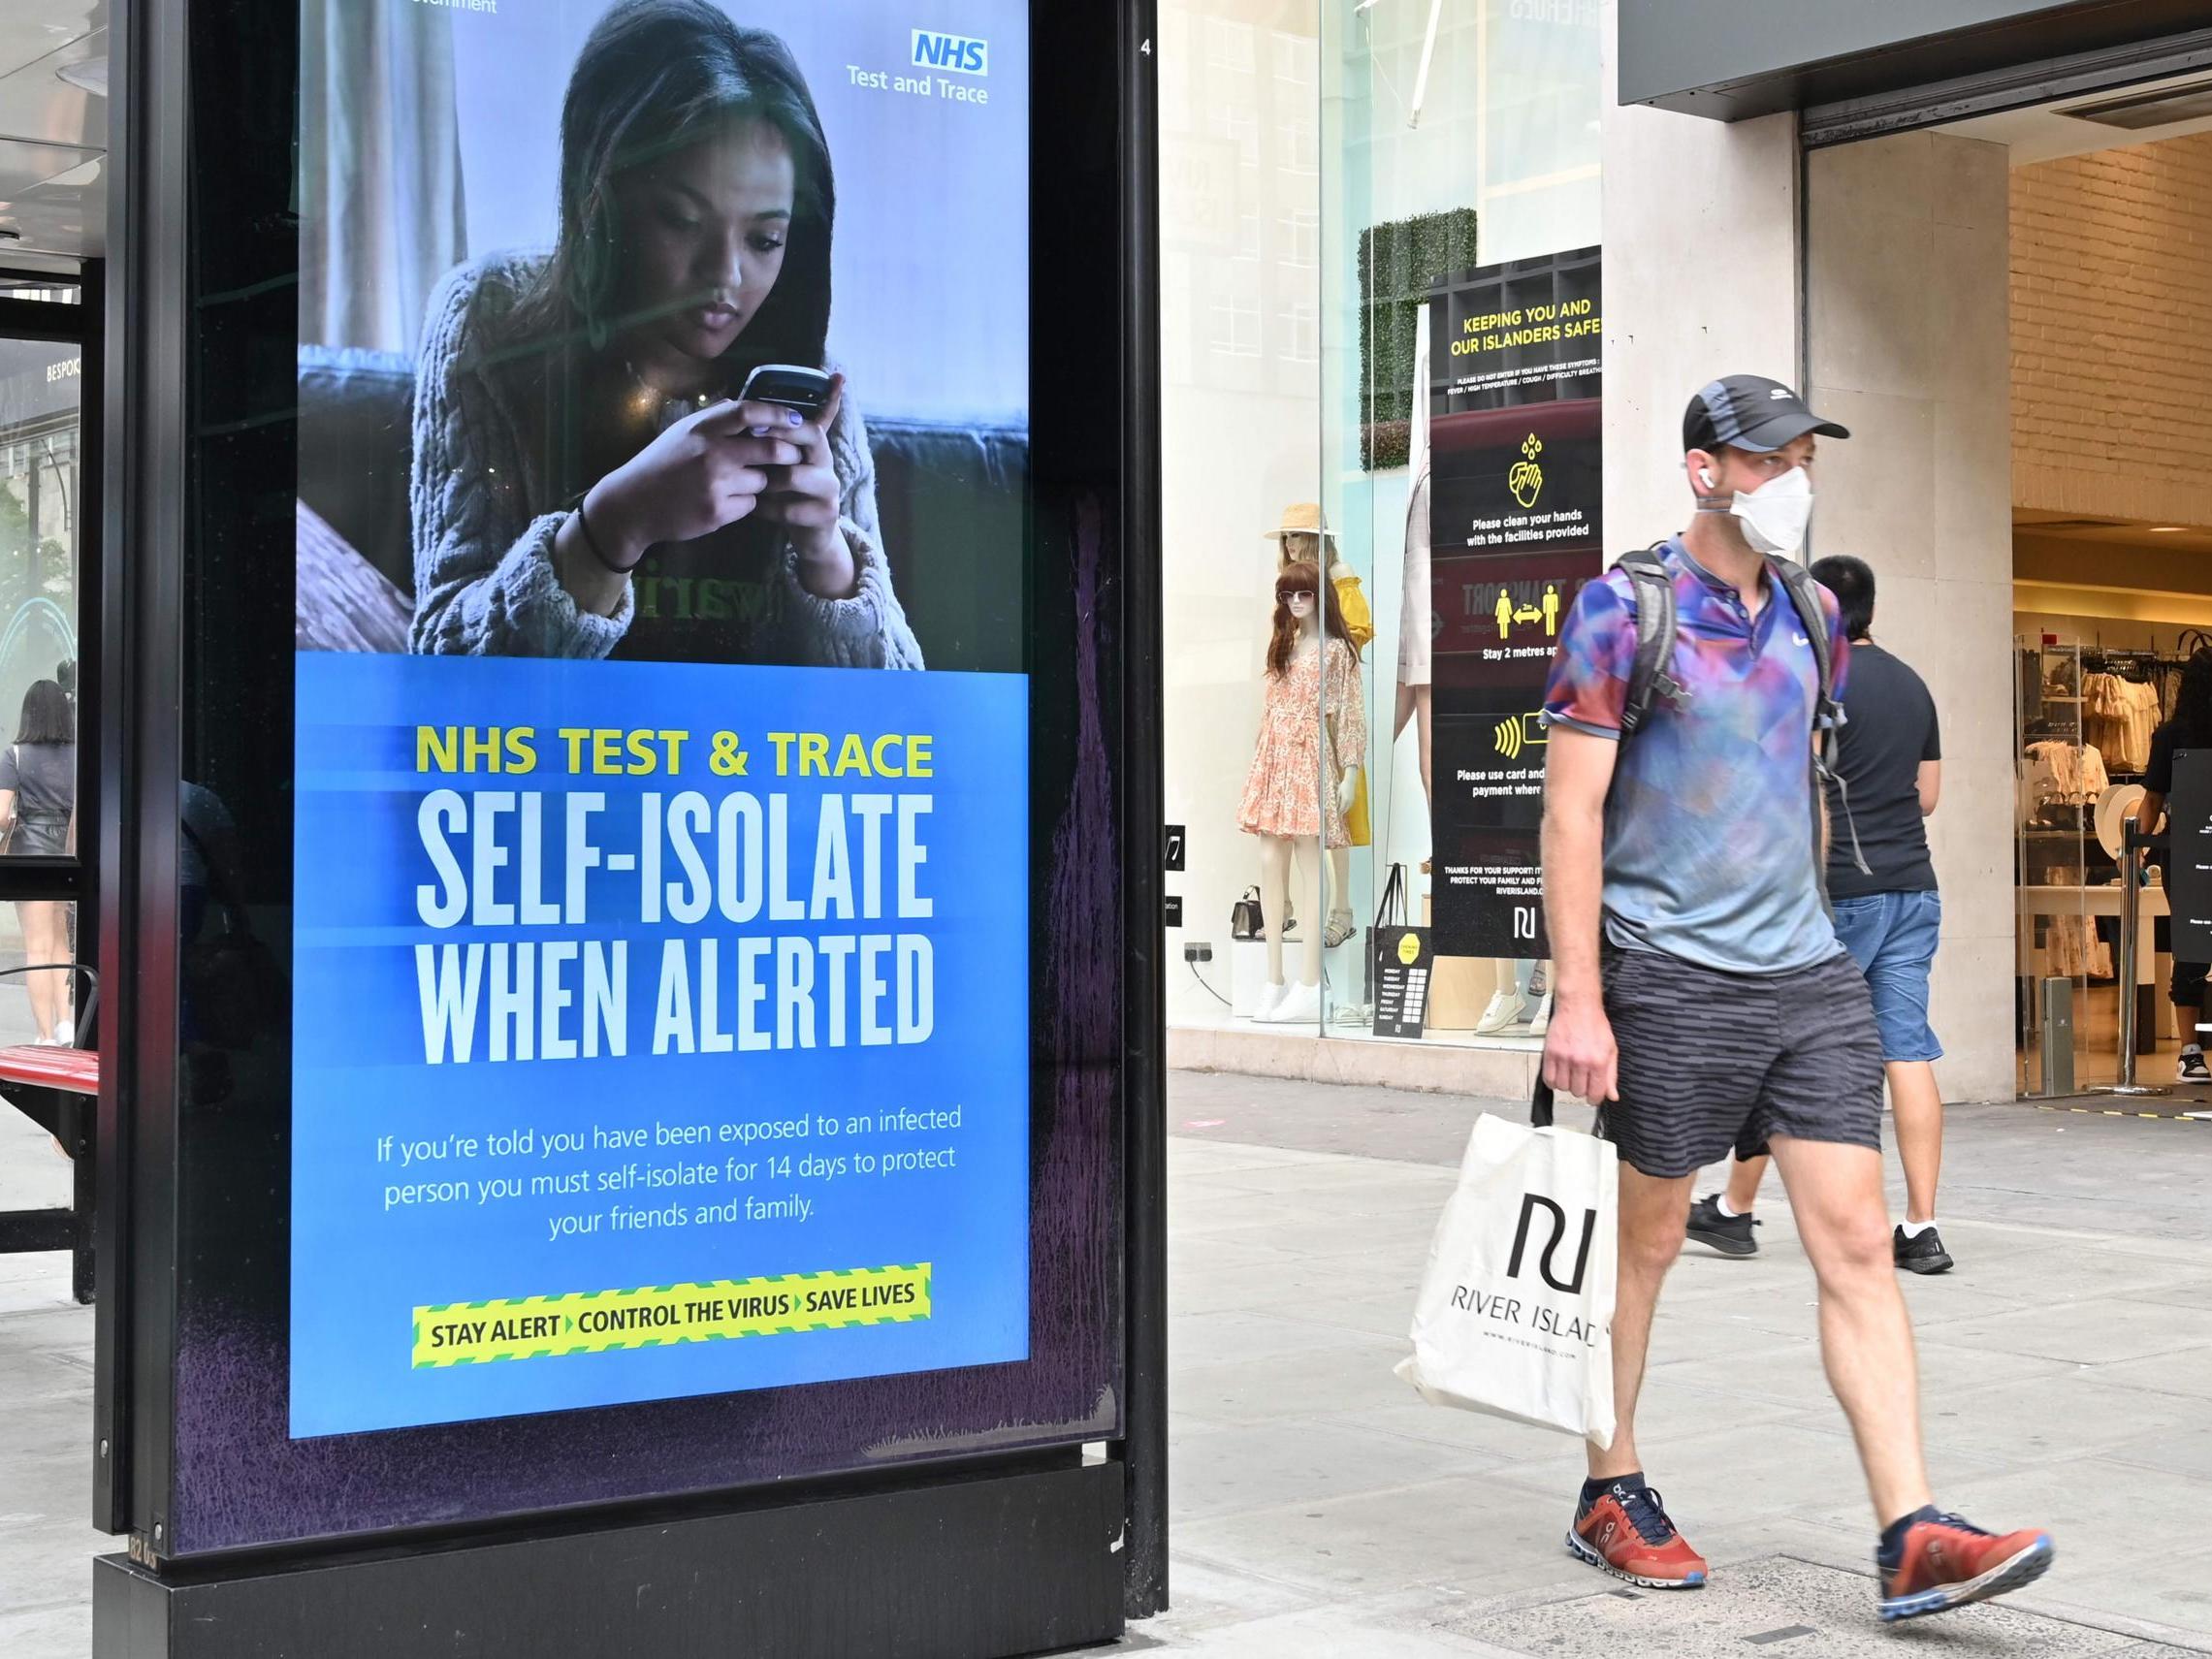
1709,830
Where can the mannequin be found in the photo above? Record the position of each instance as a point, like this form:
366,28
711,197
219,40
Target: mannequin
1300,539
1415,626
1295,800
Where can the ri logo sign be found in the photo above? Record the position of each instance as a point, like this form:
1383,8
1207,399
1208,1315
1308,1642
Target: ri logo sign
957,54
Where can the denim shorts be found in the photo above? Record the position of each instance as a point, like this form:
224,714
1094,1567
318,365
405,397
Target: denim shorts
1892,937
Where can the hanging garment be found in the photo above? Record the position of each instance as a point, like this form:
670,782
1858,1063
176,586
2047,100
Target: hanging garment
2073,951
2118,716
2064,773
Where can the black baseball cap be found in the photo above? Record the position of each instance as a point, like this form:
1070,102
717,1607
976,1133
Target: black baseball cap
1750,412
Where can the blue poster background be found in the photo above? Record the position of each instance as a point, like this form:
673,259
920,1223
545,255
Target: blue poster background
360,1266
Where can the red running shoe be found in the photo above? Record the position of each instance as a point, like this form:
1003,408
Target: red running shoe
1949,1563
1626,1532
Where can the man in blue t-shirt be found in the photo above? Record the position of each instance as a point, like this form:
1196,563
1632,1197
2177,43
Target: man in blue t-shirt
1704,1001
1889,772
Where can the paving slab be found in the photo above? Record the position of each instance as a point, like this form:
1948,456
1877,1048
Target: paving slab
1782,1607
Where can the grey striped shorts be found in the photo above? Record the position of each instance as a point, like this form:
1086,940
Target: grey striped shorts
1713,1063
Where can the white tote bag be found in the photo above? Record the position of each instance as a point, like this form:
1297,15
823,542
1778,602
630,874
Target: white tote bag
1515,1316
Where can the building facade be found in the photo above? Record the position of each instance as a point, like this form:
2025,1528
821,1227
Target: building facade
1962,228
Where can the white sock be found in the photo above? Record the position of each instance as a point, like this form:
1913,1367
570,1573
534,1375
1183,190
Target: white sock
1721,1203
1914,1228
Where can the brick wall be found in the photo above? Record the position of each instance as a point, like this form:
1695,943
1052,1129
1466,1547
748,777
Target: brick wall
2112,333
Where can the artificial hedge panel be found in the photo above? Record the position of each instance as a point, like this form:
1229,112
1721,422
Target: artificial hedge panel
1399,263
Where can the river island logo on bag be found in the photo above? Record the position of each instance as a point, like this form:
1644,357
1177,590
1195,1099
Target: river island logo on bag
1545,1263
959,54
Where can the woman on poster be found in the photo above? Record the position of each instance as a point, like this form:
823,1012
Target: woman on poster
587,480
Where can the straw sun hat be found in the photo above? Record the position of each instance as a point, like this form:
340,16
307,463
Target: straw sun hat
1301,518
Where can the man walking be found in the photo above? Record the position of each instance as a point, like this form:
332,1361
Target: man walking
1889,773
1703,1000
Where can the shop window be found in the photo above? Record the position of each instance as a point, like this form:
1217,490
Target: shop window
1235,326
1230,47
1240,123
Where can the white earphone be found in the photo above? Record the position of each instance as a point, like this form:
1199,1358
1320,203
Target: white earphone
1705,476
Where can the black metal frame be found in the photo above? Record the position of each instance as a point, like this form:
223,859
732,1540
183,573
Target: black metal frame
144,429
2020,87
1144,1295
149,506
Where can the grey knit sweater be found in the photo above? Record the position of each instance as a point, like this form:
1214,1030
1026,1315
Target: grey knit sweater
484,527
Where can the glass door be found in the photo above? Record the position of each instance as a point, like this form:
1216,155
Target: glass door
47,499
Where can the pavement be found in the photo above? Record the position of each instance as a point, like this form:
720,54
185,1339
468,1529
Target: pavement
1322,1511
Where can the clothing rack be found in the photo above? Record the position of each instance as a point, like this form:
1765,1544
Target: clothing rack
2142,663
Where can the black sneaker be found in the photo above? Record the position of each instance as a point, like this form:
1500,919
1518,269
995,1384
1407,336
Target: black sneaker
2193,1069
1731,1235
1923,1255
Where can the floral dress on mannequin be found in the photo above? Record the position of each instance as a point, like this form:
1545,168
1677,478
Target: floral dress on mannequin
1293,781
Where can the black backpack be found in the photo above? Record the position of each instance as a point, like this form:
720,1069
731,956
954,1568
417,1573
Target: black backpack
1653,674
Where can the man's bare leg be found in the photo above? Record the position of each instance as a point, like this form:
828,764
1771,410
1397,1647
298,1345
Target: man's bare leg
1918,1109
1743,1178
1866,1336
1652,1213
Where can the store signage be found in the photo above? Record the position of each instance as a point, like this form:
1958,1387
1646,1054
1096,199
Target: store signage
2189,868
661,979
1402,965
1516,512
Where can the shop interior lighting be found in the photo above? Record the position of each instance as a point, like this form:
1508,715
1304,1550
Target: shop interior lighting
2164,108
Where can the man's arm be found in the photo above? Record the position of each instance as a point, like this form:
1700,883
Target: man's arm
1579,1053
1931,785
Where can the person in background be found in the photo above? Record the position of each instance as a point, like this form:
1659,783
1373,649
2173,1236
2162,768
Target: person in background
38,799
1889,765
2189,729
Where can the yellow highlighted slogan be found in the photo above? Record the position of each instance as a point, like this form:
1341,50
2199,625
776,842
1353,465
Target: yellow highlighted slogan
598,1322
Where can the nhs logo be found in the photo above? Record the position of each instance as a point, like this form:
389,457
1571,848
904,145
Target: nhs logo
954,52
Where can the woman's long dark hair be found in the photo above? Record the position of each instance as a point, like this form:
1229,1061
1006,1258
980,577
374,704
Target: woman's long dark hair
1301,577
2192,702
47,716
654,77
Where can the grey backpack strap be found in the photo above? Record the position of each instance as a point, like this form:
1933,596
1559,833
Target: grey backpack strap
1827,713
1652,674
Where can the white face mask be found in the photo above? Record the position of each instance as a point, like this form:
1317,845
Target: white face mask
1777,513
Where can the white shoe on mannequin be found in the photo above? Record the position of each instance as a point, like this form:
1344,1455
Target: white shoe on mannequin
1506,1008
1270,993
1301,1004
1542,1023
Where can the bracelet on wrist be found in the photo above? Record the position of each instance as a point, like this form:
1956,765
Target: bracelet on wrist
584,523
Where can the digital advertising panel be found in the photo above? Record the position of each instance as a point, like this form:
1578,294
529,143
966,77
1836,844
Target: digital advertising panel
661,827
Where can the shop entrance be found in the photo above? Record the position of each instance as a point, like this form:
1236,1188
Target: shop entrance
2014,314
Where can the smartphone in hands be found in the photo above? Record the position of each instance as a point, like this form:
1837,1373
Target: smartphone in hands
787,386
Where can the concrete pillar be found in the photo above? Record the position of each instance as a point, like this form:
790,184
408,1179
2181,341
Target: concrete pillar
1700,281
1907,286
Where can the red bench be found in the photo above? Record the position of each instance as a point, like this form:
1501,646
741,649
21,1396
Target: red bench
58,1088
